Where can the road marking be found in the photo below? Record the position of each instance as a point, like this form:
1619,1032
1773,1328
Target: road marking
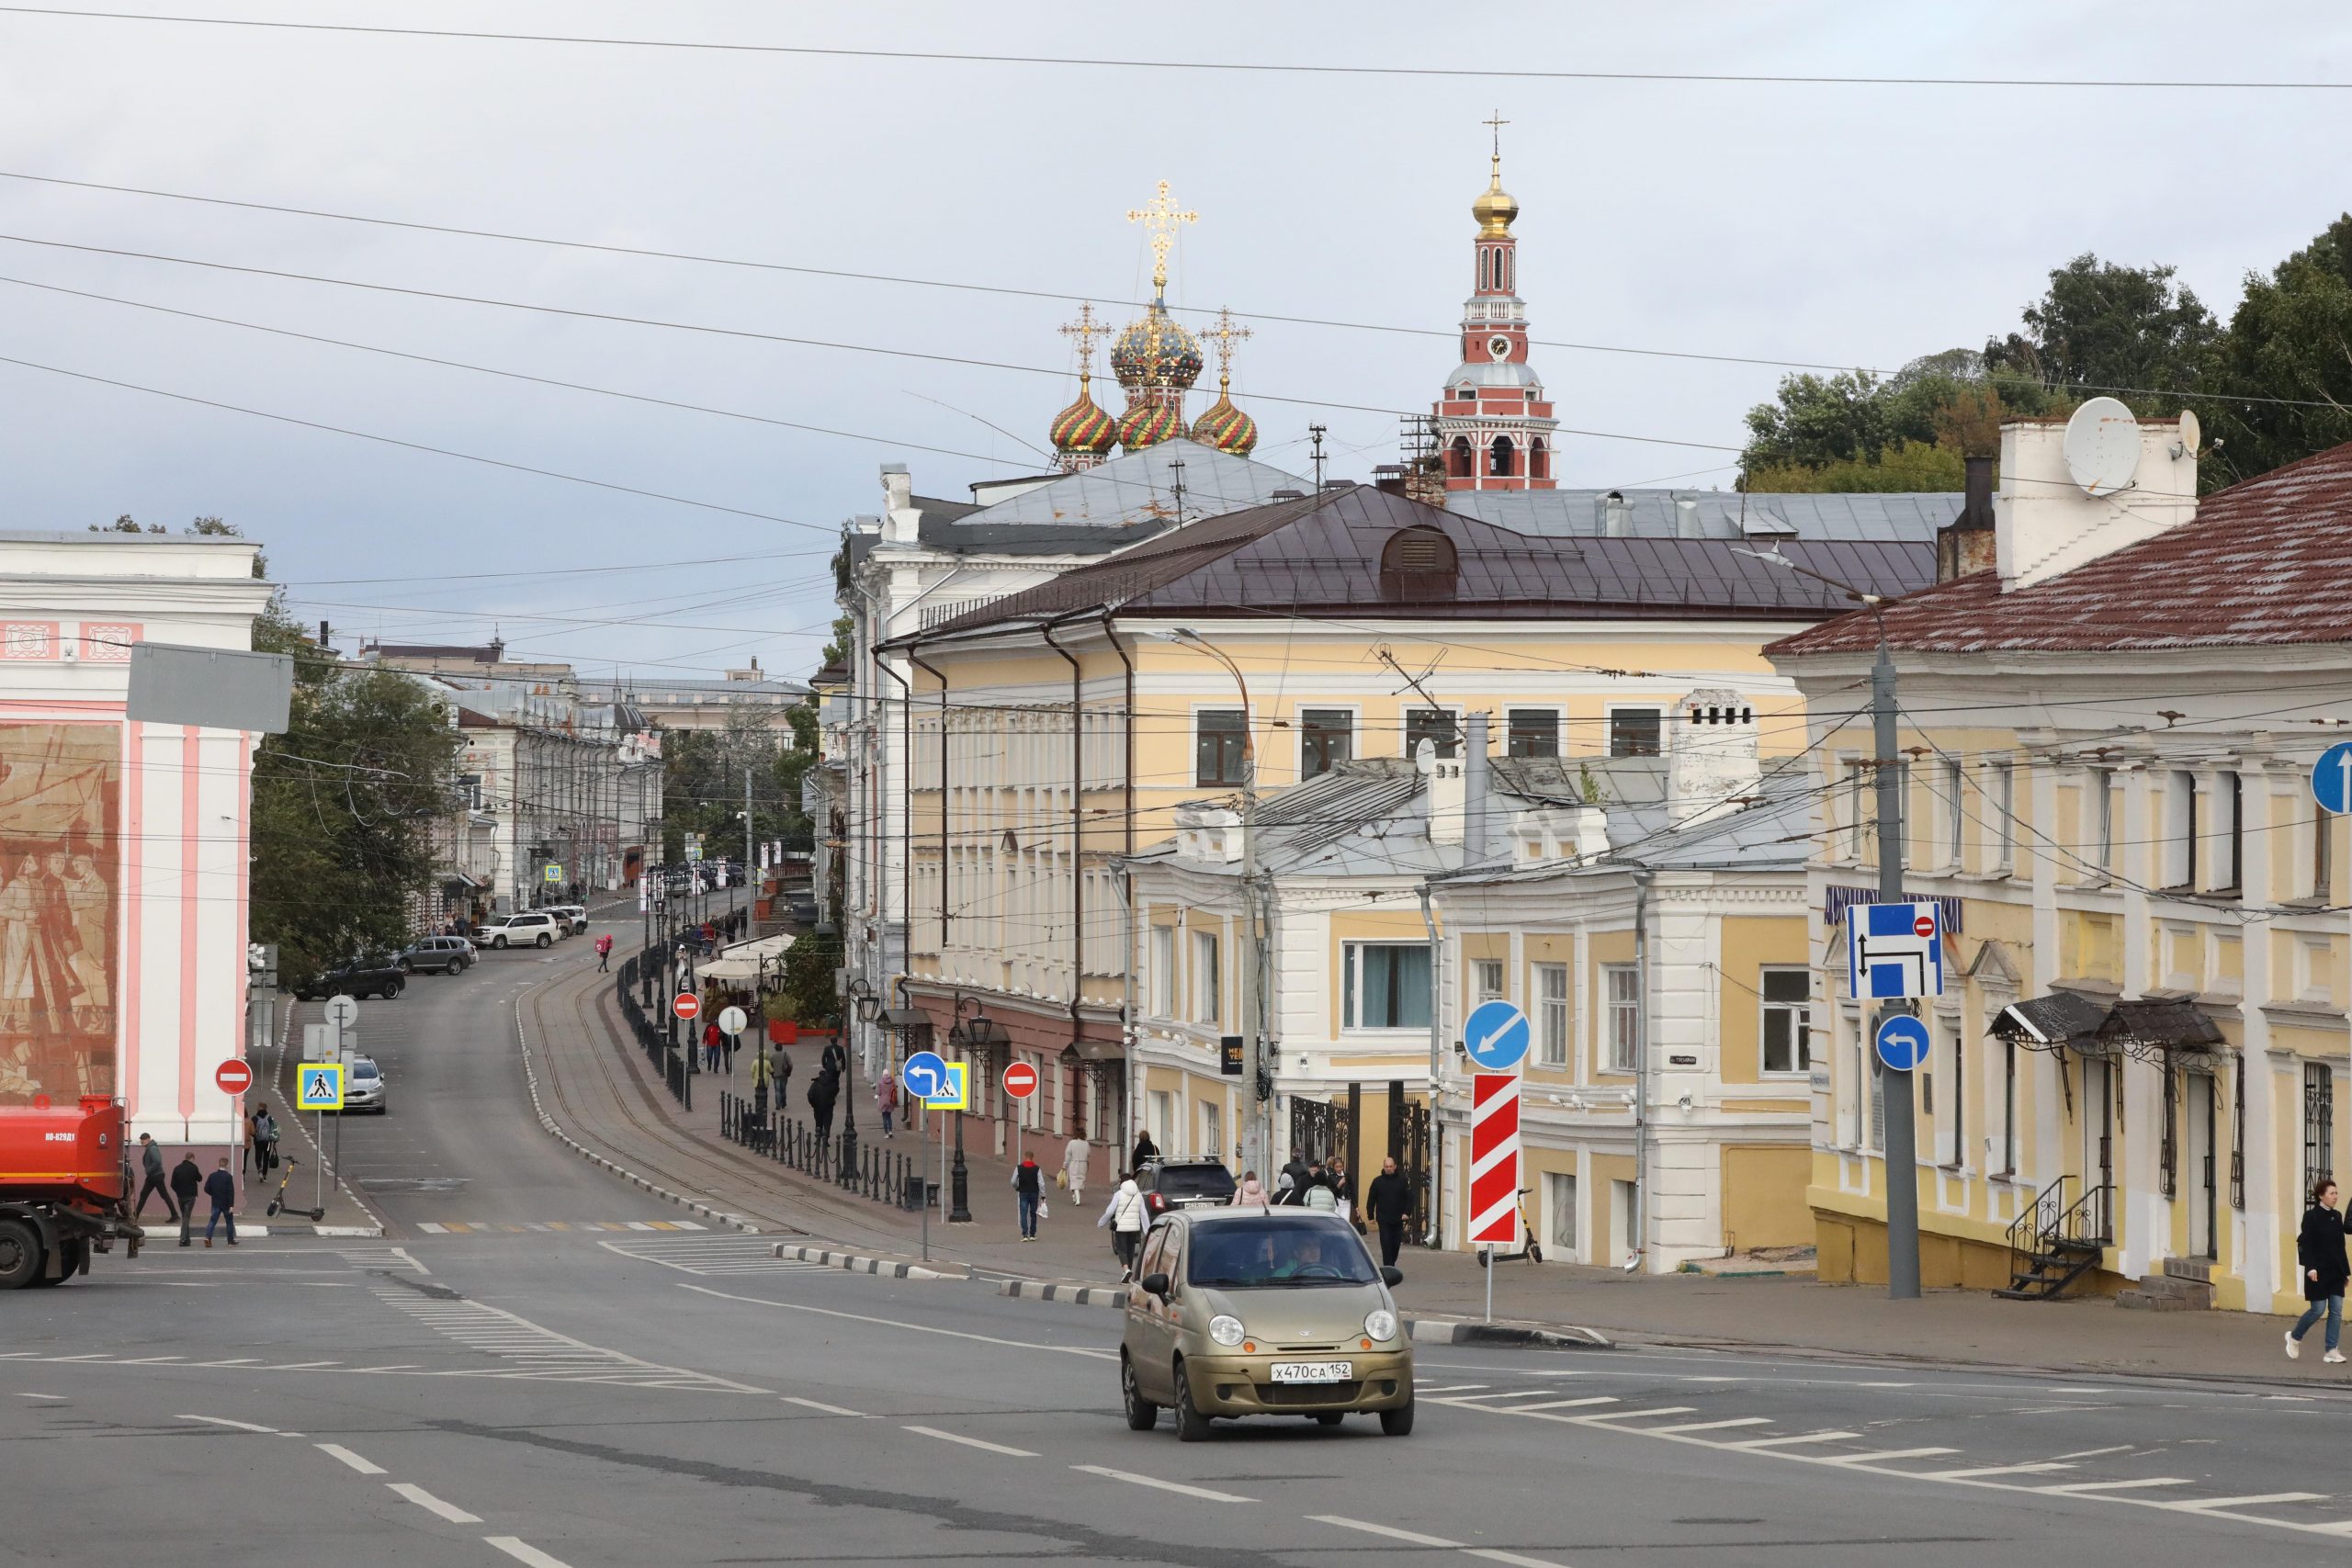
430,1228
432,1504
1879,1456
2042,1468
2196,1505
336,1451
1513,1393
916,1327
1785,1442
1563,1403
970,1442
40,1396
524,1551
2077,1488
1132,1479
1716,1426
827,1409
240,1361
1635,1414
1452,1388
1415,1537
2094,1453
224,1421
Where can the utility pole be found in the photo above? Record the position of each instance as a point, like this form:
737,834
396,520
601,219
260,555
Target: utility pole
747,822
1314,433
1901,1165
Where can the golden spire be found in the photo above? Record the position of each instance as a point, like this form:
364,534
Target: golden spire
1159,217
1224,335
1495,208
1084,331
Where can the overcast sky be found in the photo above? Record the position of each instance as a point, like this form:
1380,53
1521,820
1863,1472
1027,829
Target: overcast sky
1850,225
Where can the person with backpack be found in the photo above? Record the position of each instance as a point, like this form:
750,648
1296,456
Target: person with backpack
604,952
264,1130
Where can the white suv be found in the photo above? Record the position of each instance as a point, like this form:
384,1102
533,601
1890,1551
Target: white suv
535,927
572,917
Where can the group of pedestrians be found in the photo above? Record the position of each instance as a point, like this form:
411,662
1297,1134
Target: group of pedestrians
180,1190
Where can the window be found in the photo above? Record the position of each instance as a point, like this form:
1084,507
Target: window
1633,732
1487,974
1539,458
1433,725
1878,1096
2231,838
1955,814
2003,791
1788,1035
2319,1125
1457,456
1500,456
1205,995
1560,1211
1223,738
1326,738
1623,986
1161,1105
1534,732
1163,971
1387,985
2180,832
2008,1107
2323,856
2103,815
1552,1015
1212,1129
1951,1122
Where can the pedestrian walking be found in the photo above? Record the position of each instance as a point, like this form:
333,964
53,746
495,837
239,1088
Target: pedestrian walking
1076,1155
1028,1189
1123,1218
782,1070
151,1166
1290,1190
1317,1195
886,1099
188,1181
1343,1189
761,1072
221,1187
712,1040
1251,1193
1146,1150
603,951
823,1089
1387,1202
2319,1250
264,1130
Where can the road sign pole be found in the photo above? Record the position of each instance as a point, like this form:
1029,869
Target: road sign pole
1900,1164
1490,1282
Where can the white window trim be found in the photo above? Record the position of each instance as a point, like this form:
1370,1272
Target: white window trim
1664,709
1540,1002
1352,997
1404,717
1355,730
1193,735
1765,1007
1207,988
1607,1015
1559,719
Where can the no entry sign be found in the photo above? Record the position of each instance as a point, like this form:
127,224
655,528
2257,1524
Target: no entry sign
1021,1080
687,1005
234,1078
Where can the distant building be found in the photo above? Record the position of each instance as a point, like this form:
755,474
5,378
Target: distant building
1493,425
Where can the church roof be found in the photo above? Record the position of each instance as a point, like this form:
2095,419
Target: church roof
1903,518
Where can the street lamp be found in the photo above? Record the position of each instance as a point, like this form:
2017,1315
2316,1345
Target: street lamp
1901,1138
1258,1151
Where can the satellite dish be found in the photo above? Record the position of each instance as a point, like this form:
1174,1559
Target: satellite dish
2191,433
2102,447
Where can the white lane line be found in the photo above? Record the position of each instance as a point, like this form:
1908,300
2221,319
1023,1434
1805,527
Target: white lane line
1786,1442
2094,1453
240,1361
1716,1426
1452,1388
2340,1527
2198,1505
1415,1537
2041,1469
224,1421
149,1360
1132,1479
524,1551
1561,1403
2078,1488
827,1409
970,1442
40,1396
432,1504
1879,1456
1637,1415
916,1327
336,1451
1511,1394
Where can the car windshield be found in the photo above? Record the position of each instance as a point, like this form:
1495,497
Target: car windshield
1194,1181
1272,1251
365,1070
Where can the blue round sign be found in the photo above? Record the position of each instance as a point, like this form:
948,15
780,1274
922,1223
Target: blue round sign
1903,1042
2332,778
1495,1035
926,1076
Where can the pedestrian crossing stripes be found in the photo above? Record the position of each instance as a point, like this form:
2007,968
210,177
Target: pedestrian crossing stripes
712,1255
540,1352
502,1227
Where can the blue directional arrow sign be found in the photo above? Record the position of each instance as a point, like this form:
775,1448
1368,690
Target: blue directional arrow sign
1495,1035
1903,1042
2332,778
925,1074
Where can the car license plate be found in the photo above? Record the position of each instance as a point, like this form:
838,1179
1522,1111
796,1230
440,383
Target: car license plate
1314,1372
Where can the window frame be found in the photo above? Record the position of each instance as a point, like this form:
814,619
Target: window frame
1553,728
1450,744
1800,1031
1619,710
1955,813
1311,728
1560,1185
2004,824
1161,953
1351,986
1234,742
1482,970
1621,1018
1555,1016
1208,998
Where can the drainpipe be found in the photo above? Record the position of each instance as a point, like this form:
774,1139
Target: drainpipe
1642,1064
1437,1049
940,677
1126,885
1077,832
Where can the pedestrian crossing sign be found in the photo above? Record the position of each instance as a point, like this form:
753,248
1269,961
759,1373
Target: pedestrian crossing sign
318,1086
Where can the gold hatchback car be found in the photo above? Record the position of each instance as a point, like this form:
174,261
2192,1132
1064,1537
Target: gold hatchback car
1262,1312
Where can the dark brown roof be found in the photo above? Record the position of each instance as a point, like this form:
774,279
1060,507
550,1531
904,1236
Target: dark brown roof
1321,556
2264,562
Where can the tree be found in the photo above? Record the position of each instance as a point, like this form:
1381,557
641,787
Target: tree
1855,430
2290,338
125,524
2126,331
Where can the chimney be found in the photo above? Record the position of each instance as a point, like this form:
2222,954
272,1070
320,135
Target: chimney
1616,514
1445,793
1476,789
1686,519
1965,545
900,520
1711,754
2045,523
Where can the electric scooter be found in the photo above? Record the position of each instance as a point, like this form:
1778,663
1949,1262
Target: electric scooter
282,1204
1528,1248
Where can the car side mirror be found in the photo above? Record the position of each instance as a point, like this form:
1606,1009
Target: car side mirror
1155,1285
1391,1275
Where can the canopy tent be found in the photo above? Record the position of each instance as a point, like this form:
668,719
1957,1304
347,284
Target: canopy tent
740,964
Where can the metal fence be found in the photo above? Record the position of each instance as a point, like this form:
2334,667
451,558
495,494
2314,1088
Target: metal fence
652,1038
884,1176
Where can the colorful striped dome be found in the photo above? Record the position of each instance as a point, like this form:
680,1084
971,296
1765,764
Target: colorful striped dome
1085,426
1150,423
1226,427
1156,351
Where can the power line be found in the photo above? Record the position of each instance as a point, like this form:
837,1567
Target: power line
1442,73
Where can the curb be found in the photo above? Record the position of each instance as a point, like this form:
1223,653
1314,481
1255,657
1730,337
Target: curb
1080,1295
531,1081
1450,1331
889,1267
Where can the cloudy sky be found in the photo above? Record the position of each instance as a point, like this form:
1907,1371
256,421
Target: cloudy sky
1839,224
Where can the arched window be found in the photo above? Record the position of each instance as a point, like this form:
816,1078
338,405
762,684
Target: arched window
1457,458
1418,562
1486,269
1539,460
1499,457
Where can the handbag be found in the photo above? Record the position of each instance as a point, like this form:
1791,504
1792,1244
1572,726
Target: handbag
1061,1178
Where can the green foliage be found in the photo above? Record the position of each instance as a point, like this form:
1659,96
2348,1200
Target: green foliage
343,807
837,650
1909,466
2290,337
125,524
808,994
2126,331
702,781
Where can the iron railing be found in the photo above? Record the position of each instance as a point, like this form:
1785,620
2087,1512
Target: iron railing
884,1176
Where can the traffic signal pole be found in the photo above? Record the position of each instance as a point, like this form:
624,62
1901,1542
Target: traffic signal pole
1901,1163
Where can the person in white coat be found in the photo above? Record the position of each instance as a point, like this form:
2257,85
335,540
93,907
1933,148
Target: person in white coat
1075,1155
1123,1216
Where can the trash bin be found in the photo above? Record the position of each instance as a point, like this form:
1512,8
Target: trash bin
911,1192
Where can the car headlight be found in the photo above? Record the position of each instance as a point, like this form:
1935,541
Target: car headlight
1224,1330
1379,1324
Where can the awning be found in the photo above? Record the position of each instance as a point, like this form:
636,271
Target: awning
2052,1022
1095,1050
728,972
2155,1028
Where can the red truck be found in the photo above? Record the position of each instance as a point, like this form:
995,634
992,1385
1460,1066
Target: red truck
64,1191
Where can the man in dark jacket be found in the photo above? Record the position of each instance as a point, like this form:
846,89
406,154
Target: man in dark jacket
150,1165
221,1187
823,1089
1293,1185
188,1181
1029,1190
1146,1151
1387,1203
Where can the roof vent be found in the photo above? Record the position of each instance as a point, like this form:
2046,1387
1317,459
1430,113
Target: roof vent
1418,562
1288,495
1616,514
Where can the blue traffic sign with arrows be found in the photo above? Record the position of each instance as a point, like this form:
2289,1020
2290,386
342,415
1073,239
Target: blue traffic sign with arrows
1903,1042
1495,1035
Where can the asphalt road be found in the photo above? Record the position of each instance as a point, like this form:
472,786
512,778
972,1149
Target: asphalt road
632,1396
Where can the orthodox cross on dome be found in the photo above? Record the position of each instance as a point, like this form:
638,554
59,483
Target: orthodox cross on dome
1084,331
1496,125
1159,217
1224,335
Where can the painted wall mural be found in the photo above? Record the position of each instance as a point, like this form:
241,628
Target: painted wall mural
60,787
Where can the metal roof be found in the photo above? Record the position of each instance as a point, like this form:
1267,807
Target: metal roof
1108,507
1904,518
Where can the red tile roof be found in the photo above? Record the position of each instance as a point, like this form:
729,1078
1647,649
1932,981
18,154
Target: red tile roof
2268,561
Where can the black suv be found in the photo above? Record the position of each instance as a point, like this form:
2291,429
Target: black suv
1184,1184
361,977
444,955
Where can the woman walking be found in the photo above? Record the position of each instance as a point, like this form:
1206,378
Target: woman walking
1250,1191
2319,1250
1125,1215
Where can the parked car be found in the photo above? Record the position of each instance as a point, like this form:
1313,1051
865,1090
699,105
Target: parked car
572,917
525,927
1246,1312
437,954
363,1085
360,977
1184,1184
803,911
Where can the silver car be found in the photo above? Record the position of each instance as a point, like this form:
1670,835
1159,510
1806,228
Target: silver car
363,1085
1262,1312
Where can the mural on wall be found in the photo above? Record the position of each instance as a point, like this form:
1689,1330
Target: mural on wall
60,786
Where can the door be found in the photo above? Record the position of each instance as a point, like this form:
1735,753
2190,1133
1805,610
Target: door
2098,1138
1146,1339
1624,1221
2204,1210
1160,1255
